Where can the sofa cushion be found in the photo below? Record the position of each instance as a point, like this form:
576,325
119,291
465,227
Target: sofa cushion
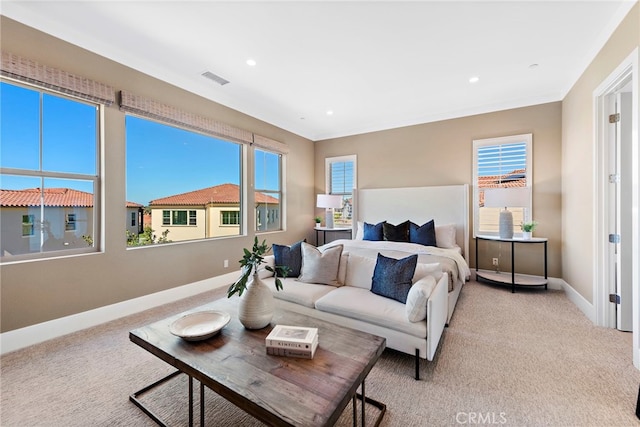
424,234
416,305
289,256
392,278
320,267
360,304
360,271
395,233
305,294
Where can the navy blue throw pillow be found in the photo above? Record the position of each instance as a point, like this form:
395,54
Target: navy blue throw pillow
290,256
392,278
424,234
373,231
396,233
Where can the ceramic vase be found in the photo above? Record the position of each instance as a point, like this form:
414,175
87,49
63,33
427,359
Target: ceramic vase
256,304
526,235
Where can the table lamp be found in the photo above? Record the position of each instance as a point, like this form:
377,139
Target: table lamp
503,198
329,201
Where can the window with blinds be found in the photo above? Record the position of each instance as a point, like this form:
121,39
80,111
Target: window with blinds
341,180
503,162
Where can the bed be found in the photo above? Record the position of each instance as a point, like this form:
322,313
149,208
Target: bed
447,206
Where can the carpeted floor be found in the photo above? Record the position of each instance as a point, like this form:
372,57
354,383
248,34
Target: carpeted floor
529,358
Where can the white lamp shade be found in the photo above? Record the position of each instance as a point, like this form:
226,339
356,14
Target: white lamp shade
329,201
507,197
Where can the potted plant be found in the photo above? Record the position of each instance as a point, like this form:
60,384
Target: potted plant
318,221
256,304
527,228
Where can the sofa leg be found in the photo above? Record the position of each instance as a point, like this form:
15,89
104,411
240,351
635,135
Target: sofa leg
417,364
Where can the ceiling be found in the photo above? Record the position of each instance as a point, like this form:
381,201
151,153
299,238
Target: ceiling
374,65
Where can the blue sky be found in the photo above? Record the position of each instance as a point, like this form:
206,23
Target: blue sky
161,160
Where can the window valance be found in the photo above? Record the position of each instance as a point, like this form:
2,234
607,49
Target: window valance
29,71
152,109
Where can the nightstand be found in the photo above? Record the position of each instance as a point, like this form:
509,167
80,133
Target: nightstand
513,278
325,230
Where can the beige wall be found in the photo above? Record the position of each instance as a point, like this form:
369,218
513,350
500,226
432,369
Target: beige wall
441,153
578,156
38,291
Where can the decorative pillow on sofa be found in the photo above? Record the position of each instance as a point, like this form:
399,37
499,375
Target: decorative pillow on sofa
290,256
396,233
416,305
373,231
392,278
424,234
320,267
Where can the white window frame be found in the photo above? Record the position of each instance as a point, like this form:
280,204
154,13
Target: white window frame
270,216
45,174
327,174
510,139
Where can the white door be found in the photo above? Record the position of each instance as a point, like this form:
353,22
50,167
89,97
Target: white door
620,231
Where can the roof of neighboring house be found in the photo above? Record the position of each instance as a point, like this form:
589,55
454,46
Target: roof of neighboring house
53,197
517,178
223,193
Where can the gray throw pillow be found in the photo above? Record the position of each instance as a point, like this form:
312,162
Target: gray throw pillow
392,278
320,267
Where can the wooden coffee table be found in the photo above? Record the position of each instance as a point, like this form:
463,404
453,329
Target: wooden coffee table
280,391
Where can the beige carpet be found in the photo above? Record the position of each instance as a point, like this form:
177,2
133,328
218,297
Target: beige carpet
529,358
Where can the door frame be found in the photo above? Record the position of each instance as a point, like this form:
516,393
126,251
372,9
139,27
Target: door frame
628,68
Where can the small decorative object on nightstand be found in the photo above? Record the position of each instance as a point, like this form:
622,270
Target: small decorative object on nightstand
527,228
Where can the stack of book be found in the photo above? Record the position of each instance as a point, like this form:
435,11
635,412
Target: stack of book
292,341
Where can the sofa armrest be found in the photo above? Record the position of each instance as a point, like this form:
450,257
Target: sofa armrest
437,309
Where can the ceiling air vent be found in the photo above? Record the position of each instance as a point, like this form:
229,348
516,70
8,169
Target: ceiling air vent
215,78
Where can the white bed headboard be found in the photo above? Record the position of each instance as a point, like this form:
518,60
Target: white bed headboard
448,204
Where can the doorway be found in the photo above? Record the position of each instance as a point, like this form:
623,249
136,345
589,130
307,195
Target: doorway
616,294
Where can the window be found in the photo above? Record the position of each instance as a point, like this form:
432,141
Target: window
70,222
341,175
183,178
27,225
179,217
230,217
503,162
49,173
268,192
133,219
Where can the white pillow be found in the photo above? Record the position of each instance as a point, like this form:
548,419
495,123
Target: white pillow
446,236
360,271
434,269
416,306
320,267
360,231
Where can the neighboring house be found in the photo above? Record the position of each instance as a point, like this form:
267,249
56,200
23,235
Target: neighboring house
67,217
209,212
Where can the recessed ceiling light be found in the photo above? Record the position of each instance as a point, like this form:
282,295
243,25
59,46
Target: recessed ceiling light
474,79
251,62
329,112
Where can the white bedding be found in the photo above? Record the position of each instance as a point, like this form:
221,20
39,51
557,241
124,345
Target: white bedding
371,248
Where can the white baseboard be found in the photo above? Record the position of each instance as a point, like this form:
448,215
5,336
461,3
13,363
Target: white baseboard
583,305
24,337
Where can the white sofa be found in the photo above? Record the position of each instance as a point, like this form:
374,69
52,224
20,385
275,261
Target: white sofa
352,304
